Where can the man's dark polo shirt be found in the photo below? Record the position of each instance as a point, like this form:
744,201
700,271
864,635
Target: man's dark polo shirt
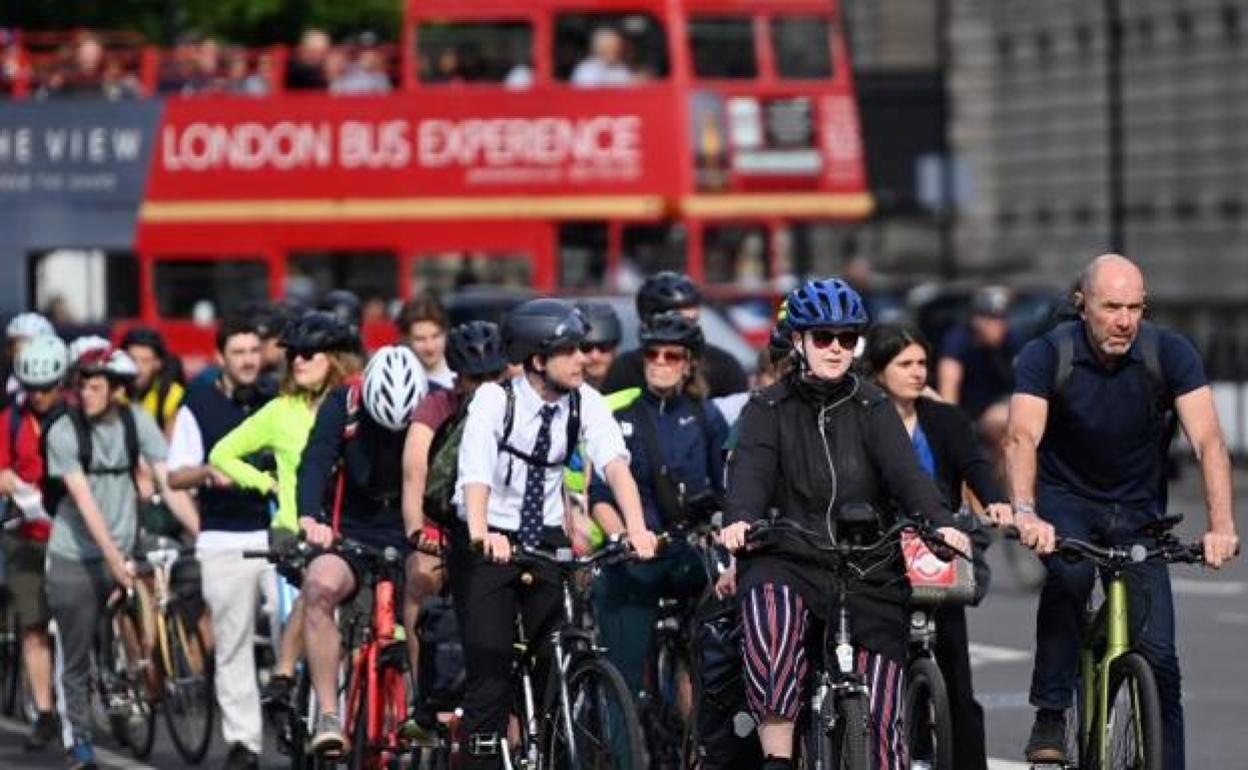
1103,439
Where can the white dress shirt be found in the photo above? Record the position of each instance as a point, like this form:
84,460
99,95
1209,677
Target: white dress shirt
482,460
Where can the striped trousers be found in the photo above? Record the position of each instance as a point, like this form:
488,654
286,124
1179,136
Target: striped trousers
775,623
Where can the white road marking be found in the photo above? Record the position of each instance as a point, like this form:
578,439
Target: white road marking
1233,618
1196,587
985,654
103,757
1005,764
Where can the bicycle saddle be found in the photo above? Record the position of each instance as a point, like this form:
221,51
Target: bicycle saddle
1159,527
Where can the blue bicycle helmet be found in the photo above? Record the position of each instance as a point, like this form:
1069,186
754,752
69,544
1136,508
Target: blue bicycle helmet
824,303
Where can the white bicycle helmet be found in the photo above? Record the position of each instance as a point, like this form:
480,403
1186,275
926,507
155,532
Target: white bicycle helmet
42,362
28,325
81,345
394,382
115,364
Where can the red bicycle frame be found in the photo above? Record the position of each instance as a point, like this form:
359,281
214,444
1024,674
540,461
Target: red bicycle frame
380,689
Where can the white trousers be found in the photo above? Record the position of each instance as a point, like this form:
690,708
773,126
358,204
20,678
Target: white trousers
233,587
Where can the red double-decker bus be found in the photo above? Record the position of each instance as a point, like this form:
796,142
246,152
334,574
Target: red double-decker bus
569,147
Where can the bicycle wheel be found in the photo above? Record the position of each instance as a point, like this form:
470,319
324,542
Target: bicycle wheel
928,721
1133,724
669,723
847,745
189,702
10,657
131,712
605,731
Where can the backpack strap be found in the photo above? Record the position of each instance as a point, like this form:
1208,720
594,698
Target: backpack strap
355,399
132,437
509,419
1064,340
162,397
82,431
15,427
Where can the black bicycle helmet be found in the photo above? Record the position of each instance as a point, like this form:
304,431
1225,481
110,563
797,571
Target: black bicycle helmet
475,349
603,321
672,328
666,290
318,331
343,305
542,327
146,337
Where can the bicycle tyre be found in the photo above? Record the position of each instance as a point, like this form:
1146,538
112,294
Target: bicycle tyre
358,750
10,657
929,723
1133,738
848,744
189,701
671,725
605,724
296,725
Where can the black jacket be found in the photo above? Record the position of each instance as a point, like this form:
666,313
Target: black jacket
781,464
958,456
724,375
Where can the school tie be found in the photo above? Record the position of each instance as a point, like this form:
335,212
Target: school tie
535,483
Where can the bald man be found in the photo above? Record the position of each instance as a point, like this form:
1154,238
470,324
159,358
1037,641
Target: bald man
1088,431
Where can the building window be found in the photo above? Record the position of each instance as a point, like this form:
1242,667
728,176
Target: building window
1230,22
1044,44
1005,49
1186,210
1185,24
1007,219
583,255
723,47
84,285
1044,215
372,275
1084,39
209,288
1083,214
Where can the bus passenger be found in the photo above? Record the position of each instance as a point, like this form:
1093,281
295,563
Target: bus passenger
605,64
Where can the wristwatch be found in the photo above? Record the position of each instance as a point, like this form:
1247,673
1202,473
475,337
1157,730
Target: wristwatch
1028,508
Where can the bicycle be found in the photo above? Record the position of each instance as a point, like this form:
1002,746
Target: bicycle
124,690
1115,718
375,694
669,710
182,666
587,718
835,732
929,722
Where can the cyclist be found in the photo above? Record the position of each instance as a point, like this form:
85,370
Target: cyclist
368,442
817,440
422,324
975,370
93,450
474,352
320,351
40,368
944,441
509,487
675,440
602,340
21,328
231,521
156,387
1085,451
669,290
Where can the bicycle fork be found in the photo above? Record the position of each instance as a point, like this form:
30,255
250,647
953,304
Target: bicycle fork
1117,629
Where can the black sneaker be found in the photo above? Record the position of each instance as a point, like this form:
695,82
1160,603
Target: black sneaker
1048,737
241,758
46,730
276,694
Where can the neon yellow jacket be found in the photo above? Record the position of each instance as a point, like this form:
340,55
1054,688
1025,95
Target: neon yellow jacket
282,427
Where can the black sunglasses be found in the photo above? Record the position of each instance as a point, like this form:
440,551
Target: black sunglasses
600,347
823,338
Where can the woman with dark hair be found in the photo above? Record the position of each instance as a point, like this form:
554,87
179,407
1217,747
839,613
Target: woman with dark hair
945,443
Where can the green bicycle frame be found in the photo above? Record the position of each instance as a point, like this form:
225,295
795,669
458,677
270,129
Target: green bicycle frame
1111,626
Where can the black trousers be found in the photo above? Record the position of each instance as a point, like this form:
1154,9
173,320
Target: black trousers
954,659
486,597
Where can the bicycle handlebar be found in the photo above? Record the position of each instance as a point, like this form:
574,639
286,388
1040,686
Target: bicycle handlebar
1172,552
760,530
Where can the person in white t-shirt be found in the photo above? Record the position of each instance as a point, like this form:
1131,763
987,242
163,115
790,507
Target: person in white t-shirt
422,324
605,64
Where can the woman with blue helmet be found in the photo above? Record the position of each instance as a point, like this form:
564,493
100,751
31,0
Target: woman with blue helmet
817,441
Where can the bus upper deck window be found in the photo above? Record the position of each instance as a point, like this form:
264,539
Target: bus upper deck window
209,288
476,52
802,47
723,47
609,49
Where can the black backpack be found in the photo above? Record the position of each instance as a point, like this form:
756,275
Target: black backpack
726,735
53,488
443,467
